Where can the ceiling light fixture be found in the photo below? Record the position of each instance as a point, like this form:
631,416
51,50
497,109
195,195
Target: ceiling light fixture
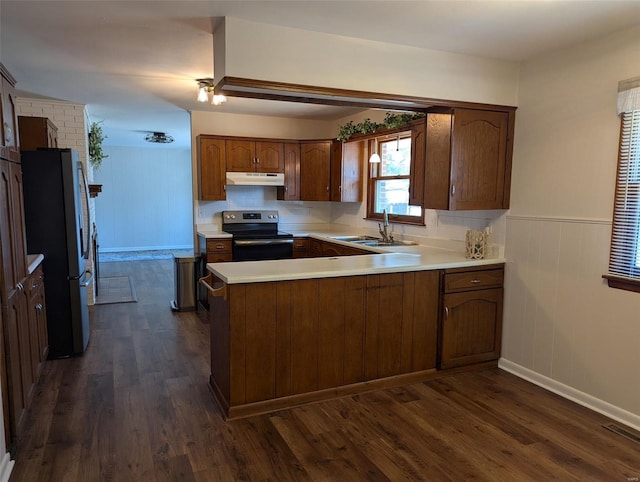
205,91
375,157
158,138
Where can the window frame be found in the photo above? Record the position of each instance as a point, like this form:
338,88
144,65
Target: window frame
372,181
622,274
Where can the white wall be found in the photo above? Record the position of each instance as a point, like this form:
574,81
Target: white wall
563,327
145,201
269,52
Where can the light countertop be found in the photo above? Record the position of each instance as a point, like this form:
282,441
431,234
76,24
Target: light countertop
33,260
389,259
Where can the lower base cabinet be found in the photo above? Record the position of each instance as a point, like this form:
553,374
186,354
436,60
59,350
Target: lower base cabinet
313,339
26,347
471,318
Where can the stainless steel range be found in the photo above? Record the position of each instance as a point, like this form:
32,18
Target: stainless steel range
256,236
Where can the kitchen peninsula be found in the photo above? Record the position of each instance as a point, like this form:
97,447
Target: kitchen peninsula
288,332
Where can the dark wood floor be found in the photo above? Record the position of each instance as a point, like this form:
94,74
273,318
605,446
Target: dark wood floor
136,407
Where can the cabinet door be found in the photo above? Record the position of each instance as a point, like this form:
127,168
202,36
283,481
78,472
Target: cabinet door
478,159
471,327
16,315
291,189
9,119
12,223
315,168
347,159
416,179
437,169
269,156
241,156
43,335
211,169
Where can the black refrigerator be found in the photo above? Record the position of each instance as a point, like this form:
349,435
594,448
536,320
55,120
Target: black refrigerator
57,225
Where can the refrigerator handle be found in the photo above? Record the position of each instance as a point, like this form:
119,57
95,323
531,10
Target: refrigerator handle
87,282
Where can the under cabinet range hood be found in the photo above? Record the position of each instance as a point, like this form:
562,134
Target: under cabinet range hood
255,179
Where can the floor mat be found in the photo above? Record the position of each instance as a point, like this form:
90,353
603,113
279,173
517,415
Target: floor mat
116,289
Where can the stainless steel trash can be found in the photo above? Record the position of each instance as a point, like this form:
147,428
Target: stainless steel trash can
187,272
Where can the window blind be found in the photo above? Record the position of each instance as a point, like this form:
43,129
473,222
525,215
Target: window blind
624,259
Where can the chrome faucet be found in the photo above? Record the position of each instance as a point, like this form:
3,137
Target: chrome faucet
386,236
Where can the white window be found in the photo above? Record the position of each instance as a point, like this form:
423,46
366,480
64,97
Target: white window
389,182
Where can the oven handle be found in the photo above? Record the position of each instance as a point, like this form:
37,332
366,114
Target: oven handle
261,242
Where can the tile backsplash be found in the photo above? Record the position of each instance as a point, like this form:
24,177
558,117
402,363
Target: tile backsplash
451,225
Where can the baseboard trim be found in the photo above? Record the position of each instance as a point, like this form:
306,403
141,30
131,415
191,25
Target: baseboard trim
6,466
616,413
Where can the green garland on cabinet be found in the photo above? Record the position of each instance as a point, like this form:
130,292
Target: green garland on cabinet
96,137
391,121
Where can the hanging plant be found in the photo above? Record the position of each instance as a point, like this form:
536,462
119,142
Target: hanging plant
391,121
96,137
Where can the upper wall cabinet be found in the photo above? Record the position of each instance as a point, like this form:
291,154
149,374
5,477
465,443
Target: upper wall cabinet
36,132
315,171
255,156
468,159
346,170
9,141
211,168
291,189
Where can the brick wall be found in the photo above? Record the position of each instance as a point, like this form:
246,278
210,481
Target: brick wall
72,122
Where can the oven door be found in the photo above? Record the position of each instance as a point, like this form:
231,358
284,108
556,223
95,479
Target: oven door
261,249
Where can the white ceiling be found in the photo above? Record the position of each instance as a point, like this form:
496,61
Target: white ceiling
133,63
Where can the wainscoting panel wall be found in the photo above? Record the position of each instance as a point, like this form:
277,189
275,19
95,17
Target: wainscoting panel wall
562,324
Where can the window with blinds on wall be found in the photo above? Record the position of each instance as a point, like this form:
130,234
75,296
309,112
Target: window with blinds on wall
624,259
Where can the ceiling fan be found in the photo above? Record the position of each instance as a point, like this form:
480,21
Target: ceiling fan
158,137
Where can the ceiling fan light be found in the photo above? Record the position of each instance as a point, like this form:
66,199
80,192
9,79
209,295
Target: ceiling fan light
218,99
202,93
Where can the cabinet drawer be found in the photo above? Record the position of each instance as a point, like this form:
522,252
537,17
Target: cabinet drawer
300,243
219,257
473,280
218,245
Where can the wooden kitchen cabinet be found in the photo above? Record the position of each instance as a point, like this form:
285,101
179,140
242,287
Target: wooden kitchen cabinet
211,160
216,250
315,171
301,247
254,156
471,323
37,320
291,189
17,359
417,174
335,249
36,132
468,159
347,160
314,338
9,141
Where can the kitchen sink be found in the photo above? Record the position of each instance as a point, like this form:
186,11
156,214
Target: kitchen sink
378,242
355,238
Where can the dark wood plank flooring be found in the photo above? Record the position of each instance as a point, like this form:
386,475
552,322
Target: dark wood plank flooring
136,407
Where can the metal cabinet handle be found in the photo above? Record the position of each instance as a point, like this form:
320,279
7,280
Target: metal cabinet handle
446,312
453,189
475,281
39,307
